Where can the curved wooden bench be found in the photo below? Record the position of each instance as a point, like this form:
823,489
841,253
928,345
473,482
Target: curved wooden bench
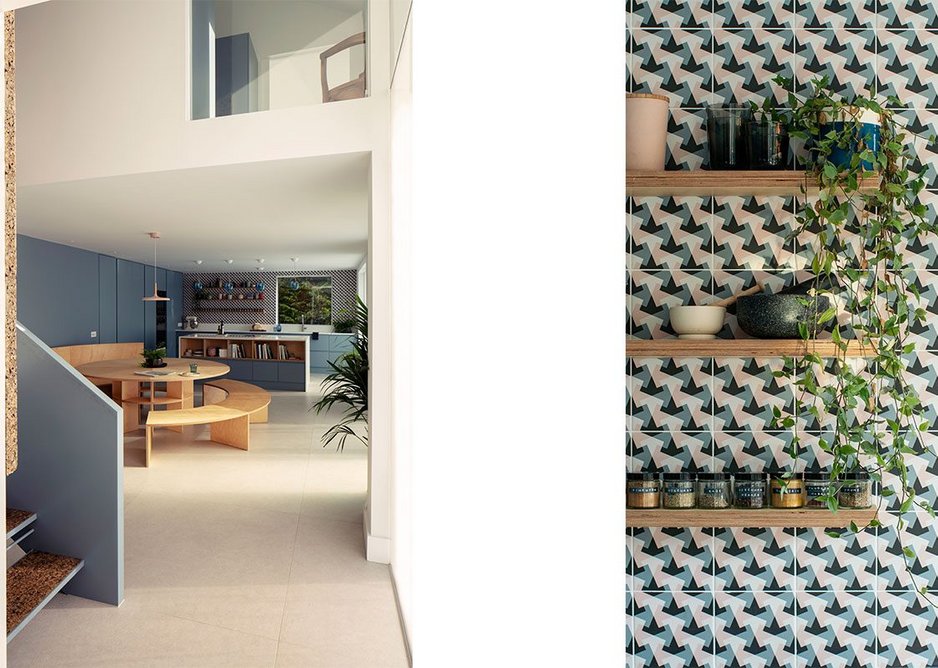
229,408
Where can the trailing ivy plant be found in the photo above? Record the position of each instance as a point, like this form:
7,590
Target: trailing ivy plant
856,229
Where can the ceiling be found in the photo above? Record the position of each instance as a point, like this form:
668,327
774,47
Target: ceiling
315,209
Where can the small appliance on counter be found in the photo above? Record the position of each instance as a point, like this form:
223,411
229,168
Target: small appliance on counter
192,322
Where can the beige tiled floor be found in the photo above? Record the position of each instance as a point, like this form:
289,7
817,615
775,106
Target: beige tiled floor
236,559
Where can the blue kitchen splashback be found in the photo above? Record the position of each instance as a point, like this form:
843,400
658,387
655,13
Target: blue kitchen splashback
763,597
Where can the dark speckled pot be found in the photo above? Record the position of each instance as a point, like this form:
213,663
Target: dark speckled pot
777,316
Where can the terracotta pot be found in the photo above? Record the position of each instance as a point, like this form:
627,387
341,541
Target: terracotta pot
646,132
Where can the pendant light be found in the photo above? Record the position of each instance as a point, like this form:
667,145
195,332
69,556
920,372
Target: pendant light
155,297
294,284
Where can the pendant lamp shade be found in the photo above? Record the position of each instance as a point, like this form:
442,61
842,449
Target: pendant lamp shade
155,297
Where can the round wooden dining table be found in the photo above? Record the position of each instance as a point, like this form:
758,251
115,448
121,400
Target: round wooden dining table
133,386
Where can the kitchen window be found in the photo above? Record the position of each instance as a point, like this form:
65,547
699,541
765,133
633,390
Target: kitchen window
304,300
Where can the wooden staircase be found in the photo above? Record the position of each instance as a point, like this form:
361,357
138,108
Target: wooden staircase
35,578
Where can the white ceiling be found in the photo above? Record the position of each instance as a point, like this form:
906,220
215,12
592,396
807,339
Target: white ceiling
315,209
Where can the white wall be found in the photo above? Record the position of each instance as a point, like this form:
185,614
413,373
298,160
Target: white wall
401,459
75,123
290,25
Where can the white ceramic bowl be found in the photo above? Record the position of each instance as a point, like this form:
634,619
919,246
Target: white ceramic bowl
697,322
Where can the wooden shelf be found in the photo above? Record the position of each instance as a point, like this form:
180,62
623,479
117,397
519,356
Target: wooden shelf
742,183
739,348
154,401
769,517
216,310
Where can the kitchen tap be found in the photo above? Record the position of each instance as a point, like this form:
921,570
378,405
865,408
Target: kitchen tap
221,326
302,323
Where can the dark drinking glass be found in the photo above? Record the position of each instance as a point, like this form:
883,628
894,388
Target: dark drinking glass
767,144
726,137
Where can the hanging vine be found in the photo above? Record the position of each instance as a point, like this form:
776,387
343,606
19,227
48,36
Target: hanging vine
857,235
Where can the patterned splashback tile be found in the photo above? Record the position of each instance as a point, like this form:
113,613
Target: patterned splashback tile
344,290
764,597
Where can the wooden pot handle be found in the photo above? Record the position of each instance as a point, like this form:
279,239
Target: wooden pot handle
731,300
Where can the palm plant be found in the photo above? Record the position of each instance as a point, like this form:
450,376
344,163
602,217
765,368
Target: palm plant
347,386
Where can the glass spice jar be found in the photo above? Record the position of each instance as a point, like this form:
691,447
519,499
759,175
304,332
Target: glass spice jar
749,490
787,490
855,490
817,486
643,490
678,490
714,490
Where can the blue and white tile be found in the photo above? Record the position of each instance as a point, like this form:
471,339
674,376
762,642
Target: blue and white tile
920,251
919,126
846,58
745,392
676,63
751,450
673,559
924,334
908,66
834,629
671,233
673,630
671,14
906,631
835,564
754,14
754,560
652,293
745,63
914,14
753,233
920,535
835,14
687,140
921,470
669,451
667,394
754,630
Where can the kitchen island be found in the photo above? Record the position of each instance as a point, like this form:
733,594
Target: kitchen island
271,361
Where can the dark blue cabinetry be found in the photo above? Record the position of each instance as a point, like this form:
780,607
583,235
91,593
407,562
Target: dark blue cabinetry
107,295
130,312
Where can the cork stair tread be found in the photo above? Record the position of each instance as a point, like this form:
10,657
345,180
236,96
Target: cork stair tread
18,520
32,582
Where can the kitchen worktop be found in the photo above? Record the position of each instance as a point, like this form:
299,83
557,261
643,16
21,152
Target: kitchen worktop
236,333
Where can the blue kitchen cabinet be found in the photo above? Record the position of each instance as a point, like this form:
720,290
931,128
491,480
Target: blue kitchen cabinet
240,370
107,299
265,371
130,292
291,372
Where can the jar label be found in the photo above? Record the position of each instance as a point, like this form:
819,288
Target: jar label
749,492
714,490
787,490
852,489
679,489
643,490
817,489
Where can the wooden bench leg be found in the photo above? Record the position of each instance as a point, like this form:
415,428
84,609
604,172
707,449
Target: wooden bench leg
259,416
235,432
149,446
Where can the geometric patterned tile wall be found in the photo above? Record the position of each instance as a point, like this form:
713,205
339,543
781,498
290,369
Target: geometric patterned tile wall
344,291
762,597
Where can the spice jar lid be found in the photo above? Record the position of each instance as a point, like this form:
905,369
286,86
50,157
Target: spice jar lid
817,475
641,475
749,475
682,475
855,475
713,476
786,475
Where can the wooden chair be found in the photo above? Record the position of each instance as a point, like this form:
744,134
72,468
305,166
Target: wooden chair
350,90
